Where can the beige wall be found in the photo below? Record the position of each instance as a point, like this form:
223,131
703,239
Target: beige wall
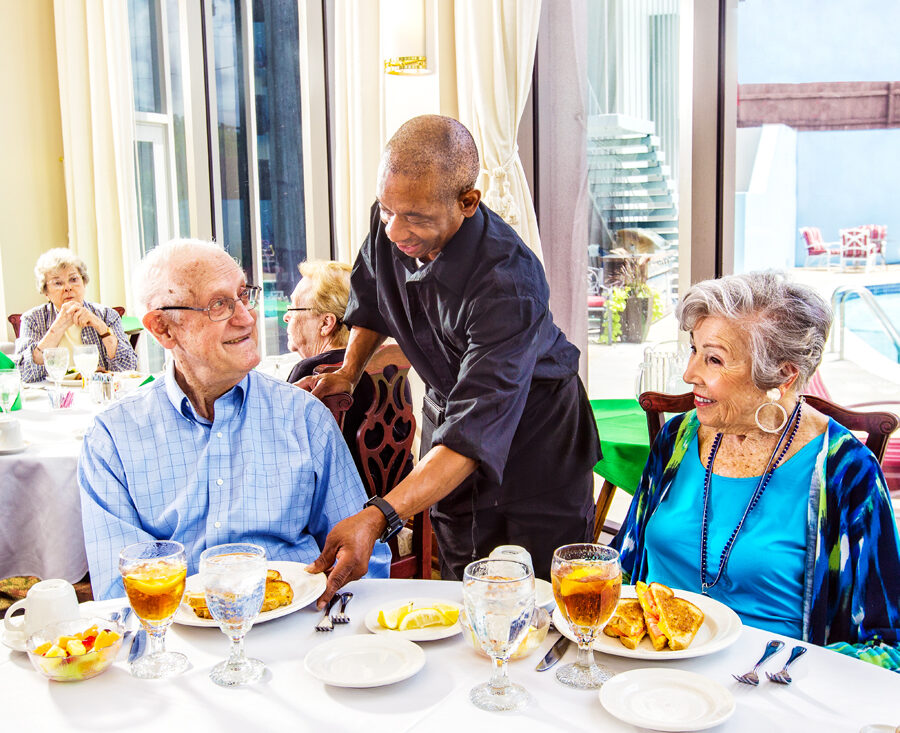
32,187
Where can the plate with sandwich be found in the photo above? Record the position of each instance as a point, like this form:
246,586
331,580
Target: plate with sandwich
653,621
288,588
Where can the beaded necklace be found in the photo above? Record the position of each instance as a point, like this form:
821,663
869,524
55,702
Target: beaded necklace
754,500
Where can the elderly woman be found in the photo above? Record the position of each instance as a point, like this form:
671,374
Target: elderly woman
68,320
758,500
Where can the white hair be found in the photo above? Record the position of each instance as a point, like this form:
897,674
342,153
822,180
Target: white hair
56,259
163,276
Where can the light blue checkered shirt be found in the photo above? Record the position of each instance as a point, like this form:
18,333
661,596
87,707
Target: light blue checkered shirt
272,468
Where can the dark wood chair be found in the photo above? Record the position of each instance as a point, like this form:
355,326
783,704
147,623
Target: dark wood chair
15,320
877,426
384,449
338,404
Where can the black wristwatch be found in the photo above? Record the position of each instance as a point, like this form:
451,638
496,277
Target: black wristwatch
394,523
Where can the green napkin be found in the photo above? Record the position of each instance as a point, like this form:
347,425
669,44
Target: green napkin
7,363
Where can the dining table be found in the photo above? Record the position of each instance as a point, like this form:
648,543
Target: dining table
830,691
40,508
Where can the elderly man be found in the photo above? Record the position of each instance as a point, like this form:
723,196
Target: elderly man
509,439
213,452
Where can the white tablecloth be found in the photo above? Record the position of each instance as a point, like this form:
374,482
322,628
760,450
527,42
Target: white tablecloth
831,692
40,510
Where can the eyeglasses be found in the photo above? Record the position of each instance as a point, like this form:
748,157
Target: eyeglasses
221,309
60,284
295,310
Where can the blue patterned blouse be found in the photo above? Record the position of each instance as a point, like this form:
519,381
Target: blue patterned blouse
851,597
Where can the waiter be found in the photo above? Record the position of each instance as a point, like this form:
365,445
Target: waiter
508,436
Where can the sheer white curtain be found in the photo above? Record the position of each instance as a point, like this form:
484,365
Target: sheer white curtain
356,127
495,44
96,106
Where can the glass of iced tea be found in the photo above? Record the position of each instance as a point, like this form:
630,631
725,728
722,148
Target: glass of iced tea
154,573
587,580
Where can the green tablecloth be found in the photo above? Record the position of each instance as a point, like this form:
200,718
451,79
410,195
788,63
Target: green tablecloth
622,425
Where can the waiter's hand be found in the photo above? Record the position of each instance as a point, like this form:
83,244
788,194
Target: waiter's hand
322,385
347,550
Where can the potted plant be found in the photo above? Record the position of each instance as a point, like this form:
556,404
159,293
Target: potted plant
632,302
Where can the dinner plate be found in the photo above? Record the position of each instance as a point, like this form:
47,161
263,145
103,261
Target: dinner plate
363,660
543,593
306,589
721,628
71,382
667,699
16,642
429,633
13,451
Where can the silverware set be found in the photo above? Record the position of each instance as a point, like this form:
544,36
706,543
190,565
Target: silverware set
782,677
328,621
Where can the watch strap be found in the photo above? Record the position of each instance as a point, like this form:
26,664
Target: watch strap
394,523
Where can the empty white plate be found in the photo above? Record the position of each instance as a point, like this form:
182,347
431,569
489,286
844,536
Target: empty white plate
364,660
667,699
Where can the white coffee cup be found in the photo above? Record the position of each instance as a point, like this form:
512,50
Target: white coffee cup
512,552
47,602
11,435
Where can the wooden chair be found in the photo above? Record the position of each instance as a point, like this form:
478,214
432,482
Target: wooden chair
877,426
384,447
15,320
338,404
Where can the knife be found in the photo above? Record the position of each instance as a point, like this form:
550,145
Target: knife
554,655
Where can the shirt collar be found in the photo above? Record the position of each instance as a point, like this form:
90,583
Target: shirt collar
454,264
237,395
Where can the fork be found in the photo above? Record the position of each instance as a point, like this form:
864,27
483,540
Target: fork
783,677
343,618
326,624
751,678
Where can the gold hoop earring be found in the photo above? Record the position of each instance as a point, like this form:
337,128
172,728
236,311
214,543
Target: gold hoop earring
773,395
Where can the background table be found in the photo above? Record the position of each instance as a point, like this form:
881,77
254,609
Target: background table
622,425
40,509
831,693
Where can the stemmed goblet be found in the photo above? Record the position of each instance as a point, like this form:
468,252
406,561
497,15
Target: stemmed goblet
234,581
499,600
587,581
56,361
154,573
86,358
10,387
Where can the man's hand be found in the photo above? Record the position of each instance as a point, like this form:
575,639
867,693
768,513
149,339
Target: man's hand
322,385
347,550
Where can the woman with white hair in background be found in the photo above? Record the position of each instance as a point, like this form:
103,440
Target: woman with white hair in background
68,320
758,500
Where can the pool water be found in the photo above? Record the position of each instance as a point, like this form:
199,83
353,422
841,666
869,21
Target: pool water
863,323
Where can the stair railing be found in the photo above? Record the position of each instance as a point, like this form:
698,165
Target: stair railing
838,301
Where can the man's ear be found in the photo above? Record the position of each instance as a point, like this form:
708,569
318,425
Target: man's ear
468,201
160,327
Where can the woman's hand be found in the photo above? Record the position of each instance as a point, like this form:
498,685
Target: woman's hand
83,318
65,317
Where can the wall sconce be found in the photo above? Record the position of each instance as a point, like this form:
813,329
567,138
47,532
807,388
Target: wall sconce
403,36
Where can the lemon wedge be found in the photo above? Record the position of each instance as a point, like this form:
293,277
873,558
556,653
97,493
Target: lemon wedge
422,617
450,613
391,619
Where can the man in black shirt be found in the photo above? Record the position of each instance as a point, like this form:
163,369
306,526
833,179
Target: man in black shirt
508,436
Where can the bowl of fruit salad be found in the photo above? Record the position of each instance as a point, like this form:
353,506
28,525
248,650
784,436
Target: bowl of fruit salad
75,650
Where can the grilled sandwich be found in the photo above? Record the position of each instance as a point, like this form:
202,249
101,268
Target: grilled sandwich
649,597
278,593
679,620
627,623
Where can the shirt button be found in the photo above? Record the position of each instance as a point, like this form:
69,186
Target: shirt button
218,435
220,482
218,524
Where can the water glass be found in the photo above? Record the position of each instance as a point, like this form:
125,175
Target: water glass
56,362
10,387
87,359
499,601
234,581
154,575
587,580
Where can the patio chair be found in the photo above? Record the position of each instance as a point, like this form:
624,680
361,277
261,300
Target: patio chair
816,247
855,247
596,302
878,241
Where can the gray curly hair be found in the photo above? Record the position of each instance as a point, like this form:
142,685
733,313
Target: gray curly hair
787,323
56,259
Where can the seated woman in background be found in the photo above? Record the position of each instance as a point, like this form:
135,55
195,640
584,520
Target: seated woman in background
68,319
316,332
758,500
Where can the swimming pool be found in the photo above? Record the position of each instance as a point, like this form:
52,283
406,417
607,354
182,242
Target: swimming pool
861,321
